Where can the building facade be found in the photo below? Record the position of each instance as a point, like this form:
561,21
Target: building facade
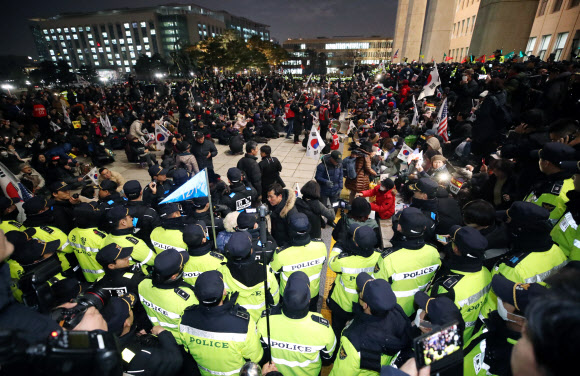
556,30
114,39
463,26
333,55
409,29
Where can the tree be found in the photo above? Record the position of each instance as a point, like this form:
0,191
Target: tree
148,66
46,73
89,73
64,72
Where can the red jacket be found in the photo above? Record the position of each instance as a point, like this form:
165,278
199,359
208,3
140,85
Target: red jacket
384,204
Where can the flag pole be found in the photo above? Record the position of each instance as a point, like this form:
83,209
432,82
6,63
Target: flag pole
263,211
210,208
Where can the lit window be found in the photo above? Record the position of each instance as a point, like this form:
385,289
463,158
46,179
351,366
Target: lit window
100,49
123,49
81,57
66,29
68,37
109,56
119,63
90,36
47,38
127,69
79,51
104,35
60,37
133,62
117,56
94,50
92,42
148,54
132,54
54,37
127,26
143,24
63,44
147,47
96,63
52,52
128,33
87,28
64,51
126,62
54,58
145,40
129,40
95,57
130,48
108,49
121,41
303,46
75,36
73,29
114,41
139,48
52,31
152,31
45,31
58,30
106,42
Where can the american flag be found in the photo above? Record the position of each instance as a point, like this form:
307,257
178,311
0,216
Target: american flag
396,54
442,127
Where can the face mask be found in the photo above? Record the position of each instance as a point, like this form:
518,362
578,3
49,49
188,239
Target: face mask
102,144
504,314
417,320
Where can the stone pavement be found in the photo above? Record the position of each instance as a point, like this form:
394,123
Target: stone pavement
296,166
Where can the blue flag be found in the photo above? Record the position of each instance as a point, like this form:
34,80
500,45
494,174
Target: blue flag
195,187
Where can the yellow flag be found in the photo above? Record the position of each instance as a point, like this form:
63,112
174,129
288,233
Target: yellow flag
76,124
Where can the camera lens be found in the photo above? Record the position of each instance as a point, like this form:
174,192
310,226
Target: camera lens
97,298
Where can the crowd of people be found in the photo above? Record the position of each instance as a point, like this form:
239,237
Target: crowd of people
459,208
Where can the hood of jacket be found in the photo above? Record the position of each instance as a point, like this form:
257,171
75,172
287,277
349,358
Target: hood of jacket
289,204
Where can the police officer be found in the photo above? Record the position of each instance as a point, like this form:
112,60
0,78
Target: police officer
201,258
303,254
550,192
62,206
379,330
425,199
108,195
489,350
218,333
9,214
165,295
299,339
147,218
245,275
151,354
86,240
566,232
121,221
248,222
200,212
439,312
410,265
463,278
357,254
39,219
533,256
159,188
170,232
241,196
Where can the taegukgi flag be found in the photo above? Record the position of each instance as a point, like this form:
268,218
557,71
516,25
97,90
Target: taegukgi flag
431,85
315,144
161,135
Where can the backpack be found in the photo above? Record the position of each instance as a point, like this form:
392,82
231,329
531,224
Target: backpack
349,167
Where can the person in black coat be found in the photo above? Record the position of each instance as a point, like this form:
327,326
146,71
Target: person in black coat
270,168
310,205
282,206
249,166
504,179
236,144
204,151
448,212
63,207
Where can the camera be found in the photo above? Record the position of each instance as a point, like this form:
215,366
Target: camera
342,204
75,196
69,318
62,353
36,292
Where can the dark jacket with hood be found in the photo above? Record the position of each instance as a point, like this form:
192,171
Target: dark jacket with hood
327,172
249,165
279,217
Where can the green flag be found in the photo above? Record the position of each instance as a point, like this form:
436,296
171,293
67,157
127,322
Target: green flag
522,54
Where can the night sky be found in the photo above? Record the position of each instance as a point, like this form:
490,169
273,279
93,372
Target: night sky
287,18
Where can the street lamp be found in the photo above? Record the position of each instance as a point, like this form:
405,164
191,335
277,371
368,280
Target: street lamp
7,87
159,75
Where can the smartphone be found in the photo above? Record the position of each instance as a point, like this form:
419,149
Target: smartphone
442,238
441,348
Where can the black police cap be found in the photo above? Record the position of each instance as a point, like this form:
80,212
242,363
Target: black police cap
296,293
440,310
425,185
60,186
521,212
194,234
108,185
119,212
413,222
555,152
199,202
377,293
132,189
6,202
517,294
299,223
180,176
363,237
209,287
156,170
247,219
234,175
111,253
34,250
240,245
117,311
170,262
35,204
469,241
168,209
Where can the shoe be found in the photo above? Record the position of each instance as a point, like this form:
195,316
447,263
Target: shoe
296,142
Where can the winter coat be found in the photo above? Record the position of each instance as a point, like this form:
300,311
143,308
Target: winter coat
189,162
230,224
35,177
363,171
270,168
200,152
279,217
384,204
334,173
251,168
135,129
466,93
486,127
314,210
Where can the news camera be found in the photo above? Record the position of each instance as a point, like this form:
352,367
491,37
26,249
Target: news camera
69,318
